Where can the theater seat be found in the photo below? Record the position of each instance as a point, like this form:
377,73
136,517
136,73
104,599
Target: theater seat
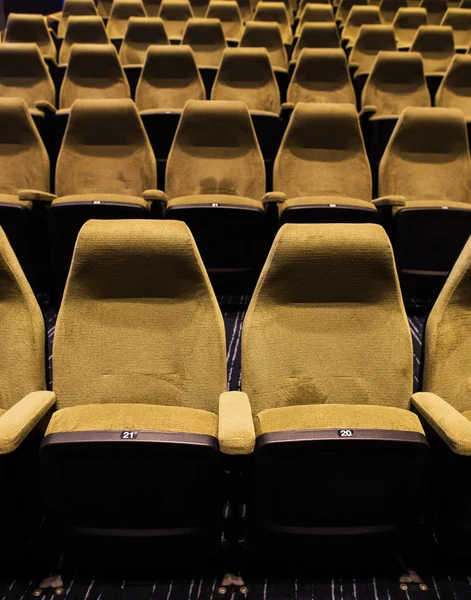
31,29
370,41
315,13
275,12
444,407
327,372
246,10
131,407
358,16
455,89
344,7
152,7
389,9
215,182
141,33
427,162
460,21
199,8
104,168
321,171
406,23
228,12
437,47
82,30
206,39
175,14
121,12
435,10
25,406
316,35
104,8
82,8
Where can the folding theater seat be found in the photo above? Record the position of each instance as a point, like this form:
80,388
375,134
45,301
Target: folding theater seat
303,3
246,10
246,74
396,82
427,163
315,13
321,171
206,39
389,9
344,7
105,169
358,16
436,9
406,24
76,8
104,8
121,12
444,406
131,407
459,19
168,80
370,41
228,12
455,89
30,29
215,182
82,30
152,7
289,4
321,75
175,14
275,12
316,35
141,33
25,406
327,372
437,47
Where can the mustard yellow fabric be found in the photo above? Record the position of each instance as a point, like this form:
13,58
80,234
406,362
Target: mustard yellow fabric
358,16
436,45
134,417
453,427
266,35
344,7
326,324
316,35
199,8
228,12
206,39
336,416
121,12
246,10
169,79
101,198
137,305
83,8
427,157
236,426
406,24
30,29
290,6
24,74
303,4
321,75
104,7
435,10
93,72
370,40
82,30
455,88
459,19
246,74
141,33
105,150
389,9
323,154
215,199
312,13
396,81
175,14
152,7
215,151
275,12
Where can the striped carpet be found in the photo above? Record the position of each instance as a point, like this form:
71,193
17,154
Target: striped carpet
372,582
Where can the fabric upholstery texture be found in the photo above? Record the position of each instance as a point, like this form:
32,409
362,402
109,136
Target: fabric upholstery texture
104,7
124,334
427,157
206,39
406,23
141,33
358,16
266,35
24,74
435,10
246,9
93,72
396,81
30,29
169,79
322,154
175,14
455,89
199,8
236,426
83,8
228,12
312,13
389,9
121,11
326,323
82,30
215,151
152,7
460,21
105,150
370,40
246,74
316,35
275,12
436,45
321,75
344,7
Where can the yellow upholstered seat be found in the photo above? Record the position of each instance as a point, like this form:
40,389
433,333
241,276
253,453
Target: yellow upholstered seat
389,9
358,16
436,9
455,89
436,45
228,12
266,35
206,38
82,30
460,21
315,13
121,12
141,33
30,29
370,40
76,8
316,35
406,23
175,14
275,12
344,7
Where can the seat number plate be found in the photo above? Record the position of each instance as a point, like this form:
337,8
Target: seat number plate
346,433
128,435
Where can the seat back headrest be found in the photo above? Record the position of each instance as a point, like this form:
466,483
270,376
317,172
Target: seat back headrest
175,10
363,15
458,18
30,29
82,30
141,33
432,38
121,12
317,35
83,8
152,7
410,18
455,89
225,10
258,34
373,38
323,13
204,32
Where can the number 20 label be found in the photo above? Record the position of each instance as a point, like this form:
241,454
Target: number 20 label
346,433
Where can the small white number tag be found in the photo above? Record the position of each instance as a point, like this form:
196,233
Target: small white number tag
128,435
345,432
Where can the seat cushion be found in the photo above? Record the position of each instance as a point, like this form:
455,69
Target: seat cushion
139,417
336,416
223,199
13,199
102,198
432,203
318,200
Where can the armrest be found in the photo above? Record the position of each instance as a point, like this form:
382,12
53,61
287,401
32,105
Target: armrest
45,106
21,419
287,106
236,428
35,196
389,201
451,426
368,111
155,196
274,198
